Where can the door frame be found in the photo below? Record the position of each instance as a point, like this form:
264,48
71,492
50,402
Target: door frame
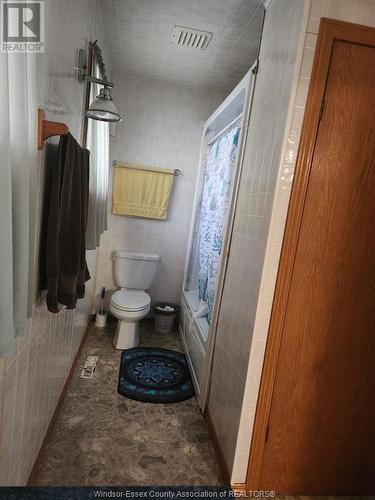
330,31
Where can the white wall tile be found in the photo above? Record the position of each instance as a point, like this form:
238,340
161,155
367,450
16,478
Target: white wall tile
277,61
362,11
35,374
162,128
313,25
318,8
310,40
341,9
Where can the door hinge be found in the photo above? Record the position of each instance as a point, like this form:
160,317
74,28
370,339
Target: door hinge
267,432
322,109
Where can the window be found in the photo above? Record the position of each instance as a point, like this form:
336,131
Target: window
97,141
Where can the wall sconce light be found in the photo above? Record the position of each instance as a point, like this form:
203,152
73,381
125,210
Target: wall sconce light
102,107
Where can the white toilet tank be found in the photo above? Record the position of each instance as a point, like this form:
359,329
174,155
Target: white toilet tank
135,270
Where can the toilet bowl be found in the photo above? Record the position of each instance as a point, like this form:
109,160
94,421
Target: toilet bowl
134,273
129,307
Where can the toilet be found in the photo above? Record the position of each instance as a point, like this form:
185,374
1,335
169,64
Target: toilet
134,274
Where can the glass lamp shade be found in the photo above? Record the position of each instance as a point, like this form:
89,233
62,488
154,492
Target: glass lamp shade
102,108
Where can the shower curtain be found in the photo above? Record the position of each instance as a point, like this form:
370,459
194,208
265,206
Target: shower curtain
220,167
18,188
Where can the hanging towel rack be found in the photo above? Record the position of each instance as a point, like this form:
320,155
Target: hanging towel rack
48,129
176,172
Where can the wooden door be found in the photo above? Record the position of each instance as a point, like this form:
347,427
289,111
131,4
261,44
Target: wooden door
315,424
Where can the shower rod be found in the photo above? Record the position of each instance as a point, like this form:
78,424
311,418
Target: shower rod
227,127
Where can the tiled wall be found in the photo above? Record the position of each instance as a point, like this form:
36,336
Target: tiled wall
273,88
31,380
357,11
162,127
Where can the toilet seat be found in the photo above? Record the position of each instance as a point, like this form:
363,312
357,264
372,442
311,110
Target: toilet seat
132,301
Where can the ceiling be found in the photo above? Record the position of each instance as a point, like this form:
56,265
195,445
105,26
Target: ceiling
139,33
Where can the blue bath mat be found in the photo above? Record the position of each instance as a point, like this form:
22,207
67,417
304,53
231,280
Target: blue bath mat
154,375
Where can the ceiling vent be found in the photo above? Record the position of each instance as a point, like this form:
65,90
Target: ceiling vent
190,37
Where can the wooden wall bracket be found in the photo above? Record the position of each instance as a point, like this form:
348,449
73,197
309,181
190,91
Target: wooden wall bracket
48,129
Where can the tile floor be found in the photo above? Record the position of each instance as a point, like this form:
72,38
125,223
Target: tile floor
101,438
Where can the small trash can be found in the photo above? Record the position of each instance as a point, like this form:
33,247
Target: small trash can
165,315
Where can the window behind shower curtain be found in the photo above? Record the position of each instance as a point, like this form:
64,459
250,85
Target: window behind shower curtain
98,144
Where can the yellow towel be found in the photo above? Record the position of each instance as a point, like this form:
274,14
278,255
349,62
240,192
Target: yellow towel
141,191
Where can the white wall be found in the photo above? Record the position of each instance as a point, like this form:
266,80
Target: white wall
31,380
162,127
356,11
277,62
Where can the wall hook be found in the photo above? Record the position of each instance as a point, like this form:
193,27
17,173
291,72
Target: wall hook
48,129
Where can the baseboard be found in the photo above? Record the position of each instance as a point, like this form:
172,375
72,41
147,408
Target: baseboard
219,454
51,425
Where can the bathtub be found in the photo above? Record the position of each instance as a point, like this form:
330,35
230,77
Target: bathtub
197,335
194,335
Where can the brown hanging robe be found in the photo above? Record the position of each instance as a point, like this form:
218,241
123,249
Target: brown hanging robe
63,254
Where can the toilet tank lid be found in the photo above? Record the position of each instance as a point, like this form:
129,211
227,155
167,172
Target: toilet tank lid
136,255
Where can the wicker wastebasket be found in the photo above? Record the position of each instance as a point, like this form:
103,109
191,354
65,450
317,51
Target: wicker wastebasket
165,315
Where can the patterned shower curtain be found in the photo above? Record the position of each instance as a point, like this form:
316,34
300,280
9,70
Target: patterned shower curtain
220,166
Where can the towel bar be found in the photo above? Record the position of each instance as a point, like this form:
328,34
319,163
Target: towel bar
176,172
48,129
